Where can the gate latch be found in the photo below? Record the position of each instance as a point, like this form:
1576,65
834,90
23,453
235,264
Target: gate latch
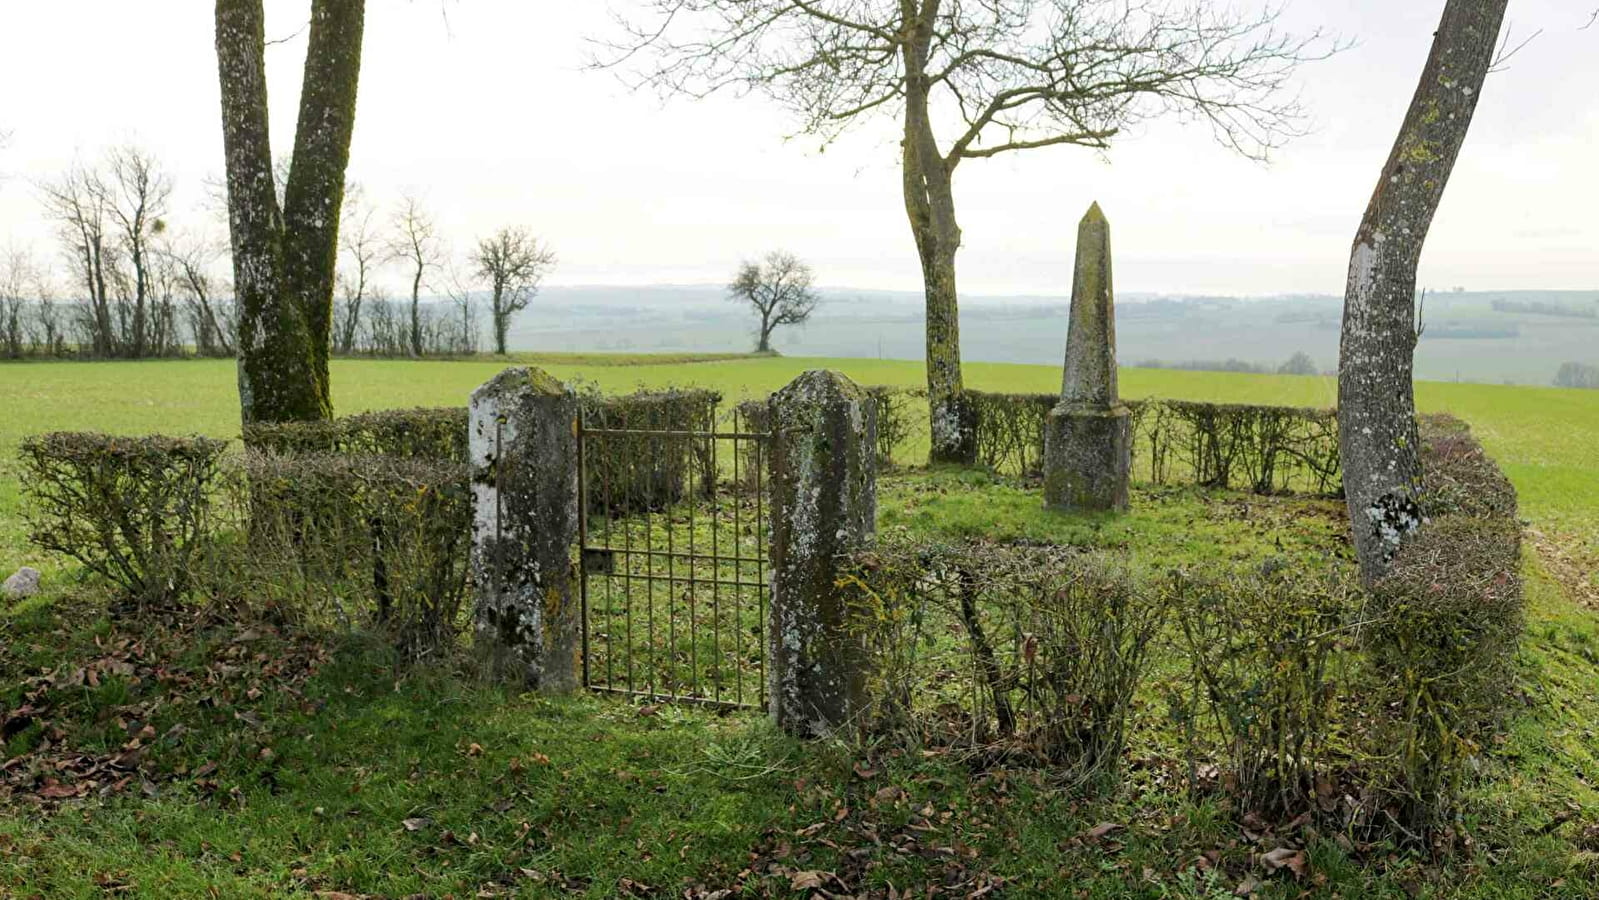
598,561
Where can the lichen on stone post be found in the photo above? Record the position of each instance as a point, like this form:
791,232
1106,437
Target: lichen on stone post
524,460
824,506
1088,439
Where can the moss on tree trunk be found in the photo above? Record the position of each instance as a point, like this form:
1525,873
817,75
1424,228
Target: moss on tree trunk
284,258
930,206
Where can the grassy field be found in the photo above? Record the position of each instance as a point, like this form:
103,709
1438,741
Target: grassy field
1546,439
240,760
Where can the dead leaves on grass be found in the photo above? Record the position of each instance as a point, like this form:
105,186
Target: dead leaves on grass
156,683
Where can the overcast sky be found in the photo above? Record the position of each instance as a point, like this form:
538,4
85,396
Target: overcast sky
484,107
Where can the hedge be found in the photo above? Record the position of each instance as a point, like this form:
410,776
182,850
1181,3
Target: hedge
636,472
1266,449
1447,619
432,433
382,540
134,511
1301,692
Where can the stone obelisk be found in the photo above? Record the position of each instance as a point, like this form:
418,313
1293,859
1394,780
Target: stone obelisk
1088,441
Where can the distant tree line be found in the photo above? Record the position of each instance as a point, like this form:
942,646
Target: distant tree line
1460,332
1577,375
1298,364
1537,308
132,279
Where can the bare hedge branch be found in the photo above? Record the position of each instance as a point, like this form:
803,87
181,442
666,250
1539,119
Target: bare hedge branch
134,511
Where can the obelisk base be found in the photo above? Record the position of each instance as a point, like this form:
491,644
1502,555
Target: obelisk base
1088,458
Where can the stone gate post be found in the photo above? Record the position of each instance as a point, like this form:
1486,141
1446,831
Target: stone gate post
524,470
823,465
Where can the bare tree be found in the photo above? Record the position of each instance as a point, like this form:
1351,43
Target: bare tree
163,324
384,334
415,243
136,194
1001,75
1376,397
285,253
51,336
514,264
18,273
779,287
361,248
461,337
78,210
192,261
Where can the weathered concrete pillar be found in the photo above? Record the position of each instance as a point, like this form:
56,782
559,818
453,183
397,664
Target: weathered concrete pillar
524,526
1088,441
824,505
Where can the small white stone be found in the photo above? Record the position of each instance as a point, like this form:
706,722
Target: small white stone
21,585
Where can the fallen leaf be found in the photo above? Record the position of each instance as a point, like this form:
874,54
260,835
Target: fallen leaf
808,879
1283,857
1102,829
416,824
59,791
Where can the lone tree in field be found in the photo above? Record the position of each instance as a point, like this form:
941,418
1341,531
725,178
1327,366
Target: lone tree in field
514,264
1377,431
284,255
779,287
993,76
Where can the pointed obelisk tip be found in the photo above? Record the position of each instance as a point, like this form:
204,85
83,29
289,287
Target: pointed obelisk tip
1094,214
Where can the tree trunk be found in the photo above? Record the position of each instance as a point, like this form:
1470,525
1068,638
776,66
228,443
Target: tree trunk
416,313
930,206
315,193
502,318
141,325
764,345
1376,396
283,264
277,374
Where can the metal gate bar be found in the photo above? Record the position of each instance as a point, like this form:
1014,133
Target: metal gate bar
646,486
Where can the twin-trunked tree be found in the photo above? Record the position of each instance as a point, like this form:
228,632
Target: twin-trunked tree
992,76
284,256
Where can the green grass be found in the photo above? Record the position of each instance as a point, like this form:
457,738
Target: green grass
265,782
520,796
1546,439
1167,526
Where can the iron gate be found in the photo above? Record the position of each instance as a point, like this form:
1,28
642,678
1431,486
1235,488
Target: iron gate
673,534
